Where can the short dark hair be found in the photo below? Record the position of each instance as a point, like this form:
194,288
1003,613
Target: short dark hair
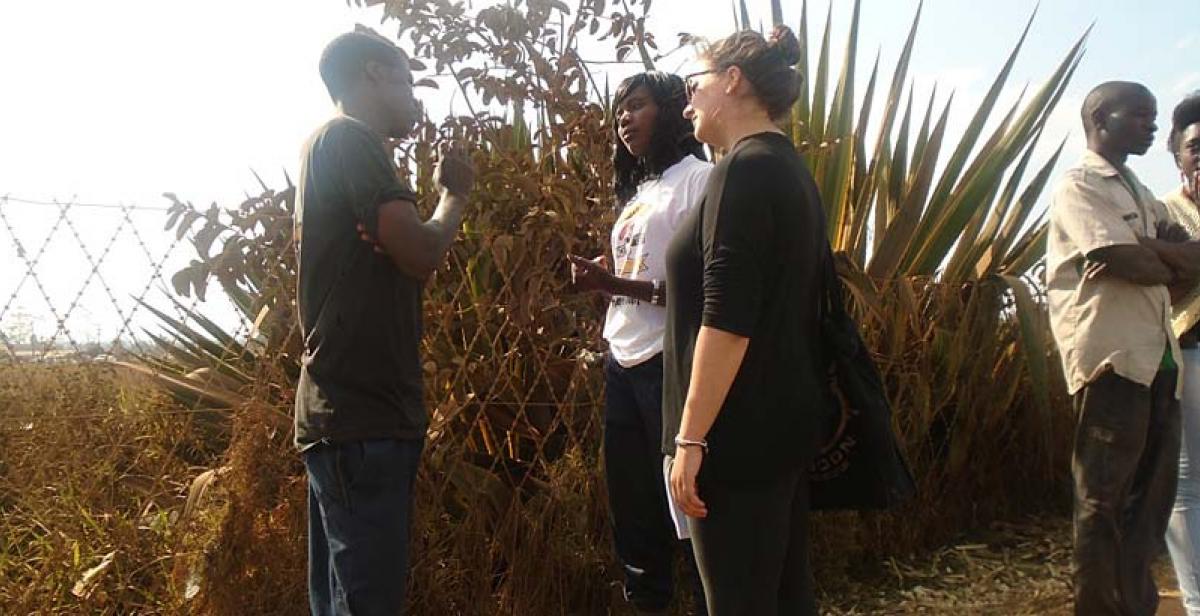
345,58
1103,97
1186,113
672,138
769,65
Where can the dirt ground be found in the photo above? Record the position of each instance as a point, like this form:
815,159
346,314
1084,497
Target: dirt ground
1009,569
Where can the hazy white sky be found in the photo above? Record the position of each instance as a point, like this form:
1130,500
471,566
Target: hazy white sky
119,101
125,99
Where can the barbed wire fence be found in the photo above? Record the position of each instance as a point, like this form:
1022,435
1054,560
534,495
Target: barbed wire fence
74,266
510,485
512,387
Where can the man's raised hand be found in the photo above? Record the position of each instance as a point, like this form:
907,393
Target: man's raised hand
454,172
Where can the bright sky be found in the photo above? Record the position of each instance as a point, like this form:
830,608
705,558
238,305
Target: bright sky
123,100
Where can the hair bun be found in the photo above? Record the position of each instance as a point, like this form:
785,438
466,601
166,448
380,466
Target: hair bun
784,42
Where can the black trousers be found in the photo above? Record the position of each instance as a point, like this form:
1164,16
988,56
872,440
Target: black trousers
752,548
637,496
1125,464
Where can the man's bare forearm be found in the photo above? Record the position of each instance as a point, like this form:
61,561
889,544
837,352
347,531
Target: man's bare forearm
1134,263
443,226
415,247
1182,257
1180,290
418,247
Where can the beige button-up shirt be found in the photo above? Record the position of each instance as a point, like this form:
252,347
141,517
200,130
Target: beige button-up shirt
1186,213
1183,210
1103,322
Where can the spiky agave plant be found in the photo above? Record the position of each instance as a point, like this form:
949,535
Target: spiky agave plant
937,251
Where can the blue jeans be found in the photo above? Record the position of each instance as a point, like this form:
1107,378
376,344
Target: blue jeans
359,512
1183,533
637,495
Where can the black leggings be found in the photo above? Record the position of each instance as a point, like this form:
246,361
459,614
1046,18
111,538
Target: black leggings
752,549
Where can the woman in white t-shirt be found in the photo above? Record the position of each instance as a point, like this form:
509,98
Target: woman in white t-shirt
660,173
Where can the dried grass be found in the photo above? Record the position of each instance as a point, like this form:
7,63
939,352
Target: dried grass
91,482
1006,569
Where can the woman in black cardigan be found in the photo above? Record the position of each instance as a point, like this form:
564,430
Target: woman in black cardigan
742,387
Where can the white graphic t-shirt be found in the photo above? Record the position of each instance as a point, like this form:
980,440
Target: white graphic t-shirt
634,328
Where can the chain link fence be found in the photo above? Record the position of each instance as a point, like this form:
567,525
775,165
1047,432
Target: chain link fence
78,276
147,369
203,310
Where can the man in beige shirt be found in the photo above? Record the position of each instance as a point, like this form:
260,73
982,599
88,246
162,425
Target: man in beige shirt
1109,266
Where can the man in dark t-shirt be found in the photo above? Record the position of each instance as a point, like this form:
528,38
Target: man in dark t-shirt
360,417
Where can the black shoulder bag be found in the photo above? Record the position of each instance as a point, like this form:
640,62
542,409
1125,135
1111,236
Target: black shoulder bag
859,464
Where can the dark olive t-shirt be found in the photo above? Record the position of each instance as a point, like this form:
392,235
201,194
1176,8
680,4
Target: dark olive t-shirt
746,260
360,375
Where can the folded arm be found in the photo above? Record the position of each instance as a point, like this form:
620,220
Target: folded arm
1135,263
1182,257
417,247
414,246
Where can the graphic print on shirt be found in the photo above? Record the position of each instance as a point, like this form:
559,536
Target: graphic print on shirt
638,241
629,249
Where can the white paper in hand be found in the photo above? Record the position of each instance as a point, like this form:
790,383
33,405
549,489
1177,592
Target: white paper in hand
677,515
